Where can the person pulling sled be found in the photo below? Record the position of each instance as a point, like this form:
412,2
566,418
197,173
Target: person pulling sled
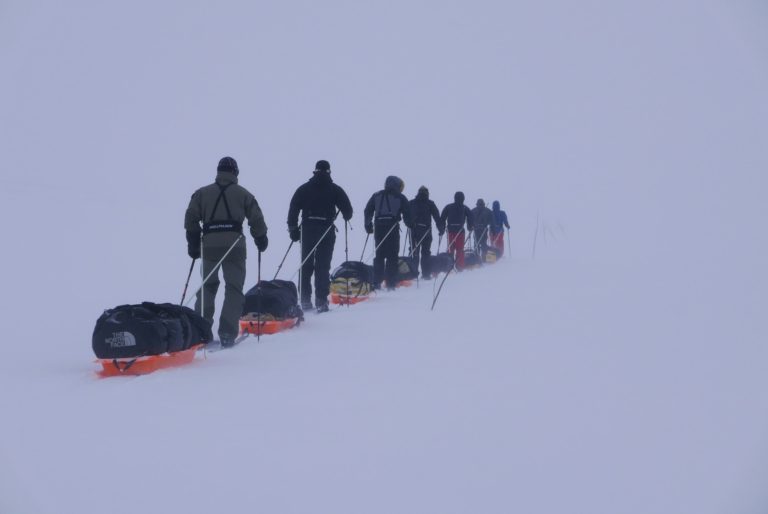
382,219
214,226
423,211
497,228
454,216
318,200
482,219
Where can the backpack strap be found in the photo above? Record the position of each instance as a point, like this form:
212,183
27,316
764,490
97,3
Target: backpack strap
222,191
228,225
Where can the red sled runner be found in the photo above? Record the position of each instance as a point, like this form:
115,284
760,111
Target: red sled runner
147,364
251,324
343,299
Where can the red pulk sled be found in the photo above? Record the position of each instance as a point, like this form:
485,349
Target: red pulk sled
139,339
351,283
271,306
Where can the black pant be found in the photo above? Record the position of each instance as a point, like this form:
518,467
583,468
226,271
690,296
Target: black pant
481,240
424,251
319,263
385,262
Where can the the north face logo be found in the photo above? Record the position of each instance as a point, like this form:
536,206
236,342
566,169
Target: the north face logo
121,340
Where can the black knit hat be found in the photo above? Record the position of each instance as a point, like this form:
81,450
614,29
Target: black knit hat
323,166
228,164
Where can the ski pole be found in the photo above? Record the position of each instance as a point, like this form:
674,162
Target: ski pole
346,252
367,237
405,242
191,266
439,242
434,300
315,247
346,240
214,270
202,275
258,300
281,262
509,244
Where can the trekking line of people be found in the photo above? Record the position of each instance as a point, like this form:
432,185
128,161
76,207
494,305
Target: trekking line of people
214,229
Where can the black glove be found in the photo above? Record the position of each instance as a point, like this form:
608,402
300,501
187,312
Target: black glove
369,228
261,242
294,233
193,244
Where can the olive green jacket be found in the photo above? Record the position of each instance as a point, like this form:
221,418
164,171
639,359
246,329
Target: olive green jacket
242,206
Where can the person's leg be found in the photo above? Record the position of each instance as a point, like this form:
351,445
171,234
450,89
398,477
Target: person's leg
378,261
415,254
426,255
210,289
392,249
323,257
459,250
309,240
234,278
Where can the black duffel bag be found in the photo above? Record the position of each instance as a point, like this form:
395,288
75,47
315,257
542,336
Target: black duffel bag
280,298
441,263
148,329
354,270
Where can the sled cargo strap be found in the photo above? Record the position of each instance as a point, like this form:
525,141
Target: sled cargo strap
126,364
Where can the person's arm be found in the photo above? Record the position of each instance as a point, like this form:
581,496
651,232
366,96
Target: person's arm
192,218
444,216
435,214
256,222
406,211
293,209
506,221
343,204
470,218
368,214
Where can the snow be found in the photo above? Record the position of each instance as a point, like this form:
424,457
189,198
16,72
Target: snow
621,370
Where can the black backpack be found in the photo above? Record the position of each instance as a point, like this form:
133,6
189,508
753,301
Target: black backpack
148,328
279,298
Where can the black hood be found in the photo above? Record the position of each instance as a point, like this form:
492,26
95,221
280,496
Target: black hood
459,198
392,184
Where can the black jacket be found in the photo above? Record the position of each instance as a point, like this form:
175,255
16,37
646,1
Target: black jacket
318,200
389,205
423,210
453,216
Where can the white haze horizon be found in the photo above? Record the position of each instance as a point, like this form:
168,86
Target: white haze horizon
636,133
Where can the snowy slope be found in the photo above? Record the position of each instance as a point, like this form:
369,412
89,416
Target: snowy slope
621,370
